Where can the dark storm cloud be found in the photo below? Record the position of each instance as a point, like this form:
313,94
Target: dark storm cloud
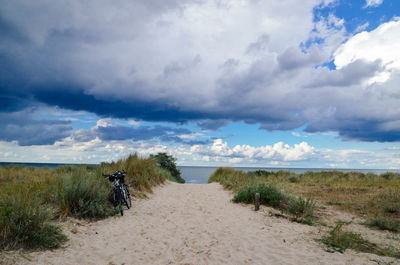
142,133
293,58
144,60
23,128
76,99
213,124
362,130
259,46
351,74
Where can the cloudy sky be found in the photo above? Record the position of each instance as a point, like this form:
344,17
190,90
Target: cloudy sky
312,83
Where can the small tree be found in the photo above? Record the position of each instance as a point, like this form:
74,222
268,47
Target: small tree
167,162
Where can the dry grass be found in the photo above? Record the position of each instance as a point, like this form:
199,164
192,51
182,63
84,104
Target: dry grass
32,198
374,198
367,195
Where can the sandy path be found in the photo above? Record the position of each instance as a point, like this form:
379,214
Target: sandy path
194,224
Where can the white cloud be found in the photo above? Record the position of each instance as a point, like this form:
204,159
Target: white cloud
134,122
279,151
217,154
373,3
381,44
362,27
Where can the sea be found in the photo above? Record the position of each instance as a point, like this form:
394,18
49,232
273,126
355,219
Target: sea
200,175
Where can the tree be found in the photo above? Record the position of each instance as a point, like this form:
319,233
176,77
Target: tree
167,162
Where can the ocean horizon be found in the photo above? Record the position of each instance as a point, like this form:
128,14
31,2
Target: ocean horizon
200,174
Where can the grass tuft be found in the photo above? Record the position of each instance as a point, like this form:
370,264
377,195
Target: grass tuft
269,195
24,223
302,209
339,240
86,197
383,224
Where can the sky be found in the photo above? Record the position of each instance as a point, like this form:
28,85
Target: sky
263,83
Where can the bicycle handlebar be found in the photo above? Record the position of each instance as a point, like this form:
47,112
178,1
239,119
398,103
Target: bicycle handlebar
116,174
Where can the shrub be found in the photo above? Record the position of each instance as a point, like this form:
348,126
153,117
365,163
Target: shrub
338,240
301,209
383,224
390,175
245,195
269,195
86,196
294,179
166,174
167,162
23,222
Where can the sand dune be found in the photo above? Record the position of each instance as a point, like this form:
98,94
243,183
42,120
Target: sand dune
193,224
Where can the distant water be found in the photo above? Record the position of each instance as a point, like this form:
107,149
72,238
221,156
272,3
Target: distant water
49,165
200,175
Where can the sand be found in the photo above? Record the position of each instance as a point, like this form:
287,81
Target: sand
194,224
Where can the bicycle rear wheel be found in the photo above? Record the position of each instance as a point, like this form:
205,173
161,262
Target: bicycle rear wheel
121,200
121,206
115,197
128,200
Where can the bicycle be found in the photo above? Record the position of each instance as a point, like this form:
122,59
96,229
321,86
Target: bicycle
120,192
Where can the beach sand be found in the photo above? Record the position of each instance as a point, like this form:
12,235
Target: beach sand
193,224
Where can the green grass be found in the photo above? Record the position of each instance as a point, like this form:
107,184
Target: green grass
383,224
24,221
32,198
339,240
269,195
301,210
86,197
368,195
372,196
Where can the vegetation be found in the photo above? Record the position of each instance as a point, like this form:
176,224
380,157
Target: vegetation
167,162
300,210
368,195
85,197
25,222
269,195
383,224
32,198
339,240
373,197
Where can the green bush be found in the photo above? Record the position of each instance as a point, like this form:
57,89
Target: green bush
338,240
24,222
167,162
294,179
383,224
269,195
301,209
390,175
86,196
245,195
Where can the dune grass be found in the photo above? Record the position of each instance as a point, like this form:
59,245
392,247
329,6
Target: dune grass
246,185
339,240
376,198
25,220
31,199
368,195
